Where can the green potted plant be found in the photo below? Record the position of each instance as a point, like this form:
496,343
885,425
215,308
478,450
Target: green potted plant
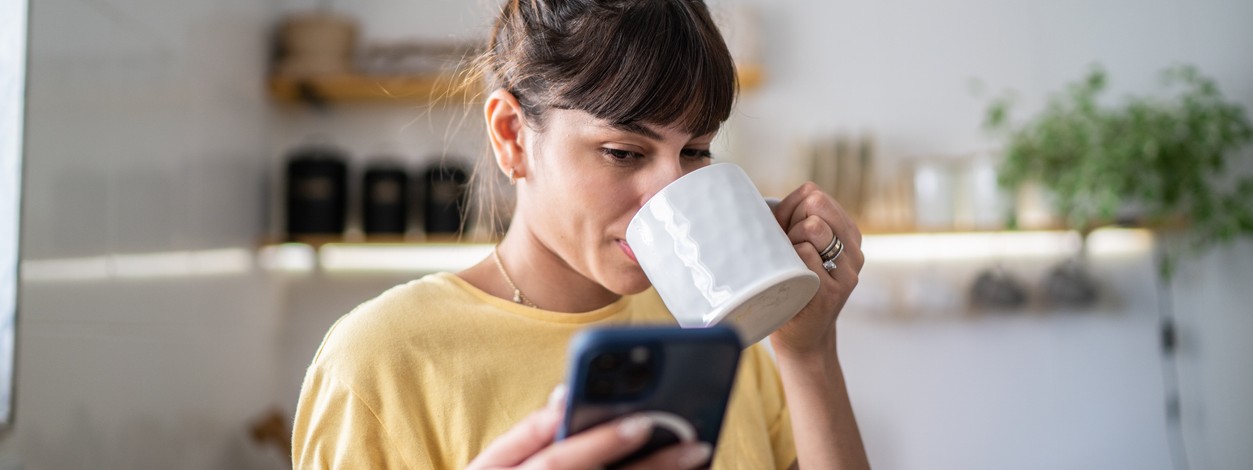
1169,157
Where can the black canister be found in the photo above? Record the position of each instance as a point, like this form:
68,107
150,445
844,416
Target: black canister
445,198
385,201
317,191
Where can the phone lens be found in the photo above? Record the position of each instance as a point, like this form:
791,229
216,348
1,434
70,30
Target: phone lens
621,374
636,379
600,388
639,355
606,362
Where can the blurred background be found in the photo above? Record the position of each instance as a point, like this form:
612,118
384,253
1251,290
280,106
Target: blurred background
207,185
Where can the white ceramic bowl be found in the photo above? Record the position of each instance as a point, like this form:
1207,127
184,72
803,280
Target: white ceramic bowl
715,253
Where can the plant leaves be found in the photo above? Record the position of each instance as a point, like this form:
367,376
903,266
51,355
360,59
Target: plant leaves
1167,153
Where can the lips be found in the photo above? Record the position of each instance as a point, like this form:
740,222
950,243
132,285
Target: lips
627,249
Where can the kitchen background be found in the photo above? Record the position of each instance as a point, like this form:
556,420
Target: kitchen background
160,326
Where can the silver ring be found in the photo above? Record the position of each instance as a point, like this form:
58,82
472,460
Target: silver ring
836,247
829,265
830,246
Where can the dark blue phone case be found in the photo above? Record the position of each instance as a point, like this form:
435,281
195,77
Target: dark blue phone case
692,371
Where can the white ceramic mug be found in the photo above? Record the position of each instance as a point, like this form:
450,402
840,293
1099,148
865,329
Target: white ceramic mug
715,253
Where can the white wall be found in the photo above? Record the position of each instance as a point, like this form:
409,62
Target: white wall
937,385
941,396
149,132
904,69
1212,299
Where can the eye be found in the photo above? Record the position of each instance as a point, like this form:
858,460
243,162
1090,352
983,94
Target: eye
697,154
621,156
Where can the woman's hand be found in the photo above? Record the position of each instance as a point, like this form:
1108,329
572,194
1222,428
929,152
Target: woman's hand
811,218
822,416
529,444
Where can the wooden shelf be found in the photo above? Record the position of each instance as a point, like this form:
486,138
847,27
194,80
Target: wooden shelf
371,256
751,77
363,88
367,88
317,241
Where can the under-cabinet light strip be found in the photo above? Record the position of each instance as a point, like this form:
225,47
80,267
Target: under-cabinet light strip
425,258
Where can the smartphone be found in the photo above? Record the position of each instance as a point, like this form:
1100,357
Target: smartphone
681,377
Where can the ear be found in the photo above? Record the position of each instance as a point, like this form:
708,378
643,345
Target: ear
505,129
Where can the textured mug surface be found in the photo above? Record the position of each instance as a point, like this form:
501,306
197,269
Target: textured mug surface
711,247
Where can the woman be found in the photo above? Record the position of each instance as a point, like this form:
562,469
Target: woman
596,106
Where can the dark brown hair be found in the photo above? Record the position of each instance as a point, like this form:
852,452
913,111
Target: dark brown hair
628,62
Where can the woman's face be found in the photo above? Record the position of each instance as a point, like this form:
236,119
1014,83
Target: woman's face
586,178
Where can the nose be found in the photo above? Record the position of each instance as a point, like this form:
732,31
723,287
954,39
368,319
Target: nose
658,176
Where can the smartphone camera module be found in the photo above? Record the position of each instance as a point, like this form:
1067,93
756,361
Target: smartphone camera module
621,375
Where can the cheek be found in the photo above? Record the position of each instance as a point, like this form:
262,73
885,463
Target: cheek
582,199
606,198
587,203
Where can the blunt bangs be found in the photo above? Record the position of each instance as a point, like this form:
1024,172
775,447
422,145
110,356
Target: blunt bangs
659,62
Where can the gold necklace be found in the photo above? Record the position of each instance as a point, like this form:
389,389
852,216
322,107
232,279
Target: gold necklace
517,293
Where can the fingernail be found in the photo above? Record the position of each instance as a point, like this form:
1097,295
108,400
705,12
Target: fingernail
695,455
550,418
635,427
557,396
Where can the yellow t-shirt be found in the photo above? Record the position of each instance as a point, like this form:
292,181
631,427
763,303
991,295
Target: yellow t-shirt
427,374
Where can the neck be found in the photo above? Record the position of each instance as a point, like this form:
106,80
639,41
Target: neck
544,277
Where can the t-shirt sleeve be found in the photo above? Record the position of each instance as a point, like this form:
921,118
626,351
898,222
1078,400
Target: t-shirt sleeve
335,429
775,404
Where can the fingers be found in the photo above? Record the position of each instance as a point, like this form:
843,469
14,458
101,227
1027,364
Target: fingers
785,208
844,276
595,447
822,205
526,438
808,202
812,230
680,456
529,444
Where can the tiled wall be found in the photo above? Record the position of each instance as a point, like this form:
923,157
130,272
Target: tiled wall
152,343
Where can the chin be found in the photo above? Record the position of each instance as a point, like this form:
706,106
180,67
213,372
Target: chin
628,283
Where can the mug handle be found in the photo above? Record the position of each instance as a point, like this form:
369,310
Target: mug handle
773,202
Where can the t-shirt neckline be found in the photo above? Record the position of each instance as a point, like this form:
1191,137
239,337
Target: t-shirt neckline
536,313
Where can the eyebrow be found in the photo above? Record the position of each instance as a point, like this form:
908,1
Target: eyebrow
637,128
